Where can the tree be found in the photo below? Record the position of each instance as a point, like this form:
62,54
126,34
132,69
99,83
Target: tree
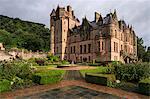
140,49
24,34
147,55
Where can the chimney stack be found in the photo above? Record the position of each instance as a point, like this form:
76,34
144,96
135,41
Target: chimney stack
69,8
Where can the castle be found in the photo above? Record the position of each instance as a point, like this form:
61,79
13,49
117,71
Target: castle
104,39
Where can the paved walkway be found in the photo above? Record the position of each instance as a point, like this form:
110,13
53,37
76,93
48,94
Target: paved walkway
42,88
73,75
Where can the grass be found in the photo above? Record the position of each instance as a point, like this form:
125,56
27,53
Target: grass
99,69
48,77
44,68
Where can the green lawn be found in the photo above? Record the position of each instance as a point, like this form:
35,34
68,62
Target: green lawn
44,68
99,69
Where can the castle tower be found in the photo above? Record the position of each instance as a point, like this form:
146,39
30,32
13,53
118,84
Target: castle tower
61,21
52,18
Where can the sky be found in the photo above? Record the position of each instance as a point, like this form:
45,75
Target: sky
134,12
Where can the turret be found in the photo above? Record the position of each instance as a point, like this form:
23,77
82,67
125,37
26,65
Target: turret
115,14
97,16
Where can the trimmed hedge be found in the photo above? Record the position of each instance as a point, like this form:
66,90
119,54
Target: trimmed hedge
102,79
48,77
144,86
5,85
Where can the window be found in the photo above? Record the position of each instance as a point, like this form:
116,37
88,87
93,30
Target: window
122,37
89,48
71,49
102,45
89,58
74,49
81,58
98,45
121,47
125,47
65,50
114,46
57,50
81,49
84,48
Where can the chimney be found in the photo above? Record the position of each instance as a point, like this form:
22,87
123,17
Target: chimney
69,8
97,16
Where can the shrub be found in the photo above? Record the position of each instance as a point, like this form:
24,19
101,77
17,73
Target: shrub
65,62
21,83
48,77
17,72
5,85
53,58
103,79
144,86
10,70
40,61
132,72
32,61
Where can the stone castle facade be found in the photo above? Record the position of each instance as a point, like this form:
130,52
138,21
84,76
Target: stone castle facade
104,39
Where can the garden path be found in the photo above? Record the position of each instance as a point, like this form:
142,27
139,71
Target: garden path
73,75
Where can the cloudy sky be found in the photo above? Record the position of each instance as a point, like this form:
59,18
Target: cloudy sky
135,12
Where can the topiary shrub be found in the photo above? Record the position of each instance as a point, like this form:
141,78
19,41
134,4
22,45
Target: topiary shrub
144,86
48,77
102,79
5,85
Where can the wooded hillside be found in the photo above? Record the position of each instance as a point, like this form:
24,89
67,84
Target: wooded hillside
15,32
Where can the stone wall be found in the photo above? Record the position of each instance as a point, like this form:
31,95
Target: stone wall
12,54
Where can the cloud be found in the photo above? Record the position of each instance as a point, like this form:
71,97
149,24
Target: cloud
135,12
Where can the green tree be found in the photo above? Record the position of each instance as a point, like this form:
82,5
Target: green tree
147,55
24,34
140,49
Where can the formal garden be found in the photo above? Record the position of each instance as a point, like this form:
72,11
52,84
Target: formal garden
19,74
